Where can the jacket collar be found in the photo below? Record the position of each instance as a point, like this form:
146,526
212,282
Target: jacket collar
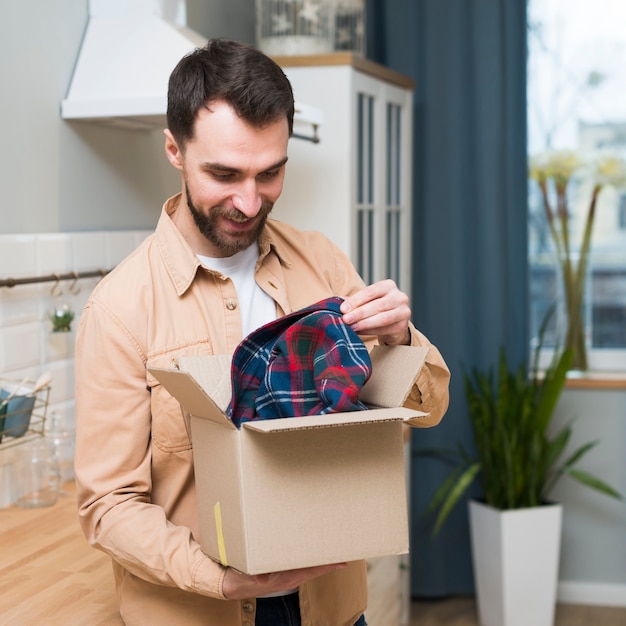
181,261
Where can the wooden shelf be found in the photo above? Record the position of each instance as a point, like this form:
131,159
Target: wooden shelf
348,58
596,380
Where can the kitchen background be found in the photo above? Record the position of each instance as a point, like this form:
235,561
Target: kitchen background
79,196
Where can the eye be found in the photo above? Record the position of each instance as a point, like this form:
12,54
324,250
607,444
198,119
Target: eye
269,175
222,176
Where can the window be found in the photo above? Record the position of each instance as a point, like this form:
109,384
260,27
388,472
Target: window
609,308
622,212
577,102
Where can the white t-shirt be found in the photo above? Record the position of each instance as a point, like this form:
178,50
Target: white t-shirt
255,306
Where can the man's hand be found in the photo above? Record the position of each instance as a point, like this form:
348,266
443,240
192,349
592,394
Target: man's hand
379,309
239,586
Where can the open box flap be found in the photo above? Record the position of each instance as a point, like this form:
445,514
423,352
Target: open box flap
416,420
201,385
394,372
213,375
331,420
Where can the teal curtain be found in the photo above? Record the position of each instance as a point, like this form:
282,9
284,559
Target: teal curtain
470,291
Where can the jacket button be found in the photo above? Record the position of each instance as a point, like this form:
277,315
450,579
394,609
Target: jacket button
231,304
248,607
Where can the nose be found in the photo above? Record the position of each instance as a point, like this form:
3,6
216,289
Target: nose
247,199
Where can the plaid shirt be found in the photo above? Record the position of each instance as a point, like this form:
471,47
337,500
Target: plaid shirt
306,363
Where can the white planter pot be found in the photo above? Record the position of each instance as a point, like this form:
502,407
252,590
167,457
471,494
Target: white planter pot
516,559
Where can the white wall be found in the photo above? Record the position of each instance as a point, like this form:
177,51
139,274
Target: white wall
64,176
59,177
28,345
593,549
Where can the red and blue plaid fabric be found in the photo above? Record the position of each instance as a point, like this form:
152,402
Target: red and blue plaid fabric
306,363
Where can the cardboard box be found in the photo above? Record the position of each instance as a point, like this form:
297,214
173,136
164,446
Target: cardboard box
286,493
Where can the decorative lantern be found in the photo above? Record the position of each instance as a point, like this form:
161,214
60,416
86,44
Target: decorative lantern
294,27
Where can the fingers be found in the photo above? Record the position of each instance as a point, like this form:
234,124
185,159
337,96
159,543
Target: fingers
239,586
294,578
379,309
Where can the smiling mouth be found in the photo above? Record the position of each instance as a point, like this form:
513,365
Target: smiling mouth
239,224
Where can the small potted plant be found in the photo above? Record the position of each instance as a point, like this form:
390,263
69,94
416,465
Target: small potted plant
517,461
61,318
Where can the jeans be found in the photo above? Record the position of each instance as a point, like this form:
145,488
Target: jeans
283,611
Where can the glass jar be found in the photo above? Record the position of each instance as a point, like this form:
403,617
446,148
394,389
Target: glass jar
63,439
36,474
64,442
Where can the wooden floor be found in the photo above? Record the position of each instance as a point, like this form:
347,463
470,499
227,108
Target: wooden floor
462,612
49,576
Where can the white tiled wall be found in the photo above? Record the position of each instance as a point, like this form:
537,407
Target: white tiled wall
28,346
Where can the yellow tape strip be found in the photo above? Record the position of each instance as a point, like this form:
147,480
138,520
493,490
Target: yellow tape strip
221,546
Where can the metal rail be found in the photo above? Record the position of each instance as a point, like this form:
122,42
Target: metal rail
13,282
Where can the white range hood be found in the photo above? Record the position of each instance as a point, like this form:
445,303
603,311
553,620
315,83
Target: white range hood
129,49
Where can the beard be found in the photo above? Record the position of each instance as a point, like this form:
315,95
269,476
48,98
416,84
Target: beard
226,242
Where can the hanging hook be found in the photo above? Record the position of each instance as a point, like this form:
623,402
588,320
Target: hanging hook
56,288
74,288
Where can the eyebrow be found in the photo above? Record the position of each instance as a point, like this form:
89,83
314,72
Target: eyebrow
226,168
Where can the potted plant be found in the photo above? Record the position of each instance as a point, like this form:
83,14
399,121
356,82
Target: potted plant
517,461
61,319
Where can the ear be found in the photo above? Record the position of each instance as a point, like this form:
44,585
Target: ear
172,151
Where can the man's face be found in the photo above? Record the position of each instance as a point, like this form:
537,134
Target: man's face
232,175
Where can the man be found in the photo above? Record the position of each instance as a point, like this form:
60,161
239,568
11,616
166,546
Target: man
215,269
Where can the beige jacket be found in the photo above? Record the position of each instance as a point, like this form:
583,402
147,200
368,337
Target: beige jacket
134,464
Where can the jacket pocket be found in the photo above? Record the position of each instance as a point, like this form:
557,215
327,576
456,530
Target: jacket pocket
171,430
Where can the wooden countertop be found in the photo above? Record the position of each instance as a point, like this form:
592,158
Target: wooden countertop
49,575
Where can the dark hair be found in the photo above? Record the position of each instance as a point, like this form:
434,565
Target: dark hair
248,80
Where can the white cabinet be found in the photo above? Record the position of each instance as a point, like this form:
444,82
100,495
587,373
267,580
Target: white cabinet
388,581
386,605
355,187
355,184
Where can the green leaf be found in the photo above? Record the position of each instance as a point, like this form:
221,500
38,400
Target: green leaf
554,449
594,483
556,445
551,388
459,488
443,490
578,454
510,411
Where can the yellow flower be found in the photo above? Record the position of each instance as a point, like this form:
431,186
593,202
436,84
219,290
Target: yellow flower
561,164
537,167
610,170
557,164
